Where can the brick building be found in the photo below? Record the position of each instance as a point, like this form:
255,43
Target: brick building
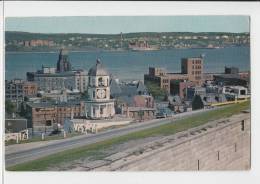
191,70
193,67
42,116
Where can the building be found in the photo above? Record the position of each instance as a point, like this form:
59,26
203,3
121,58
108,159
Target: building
179,88
63,63
191,71
14,90
231,80
14,123
193,67
49,79
44,116
236,92
60,95
30,89
99,105
163,79
231,70
140,113
37,43
176,104
193,91
17,89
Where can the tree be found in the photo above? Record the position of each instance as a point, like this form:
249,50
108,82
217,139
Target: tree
9,107
197,103
23,111
156,91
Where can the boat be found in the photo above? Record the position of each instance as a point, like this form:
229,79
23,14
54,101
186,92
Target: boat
142,45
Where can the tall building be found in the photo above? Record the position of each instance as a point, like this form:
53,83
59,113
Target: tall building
193,67
99,105
17,89
63,63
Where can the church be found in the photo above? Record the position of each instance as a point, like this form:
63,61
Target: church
99,105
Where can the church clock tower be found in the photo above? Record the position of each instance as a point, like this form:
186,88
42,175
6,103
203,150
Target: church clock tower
99,105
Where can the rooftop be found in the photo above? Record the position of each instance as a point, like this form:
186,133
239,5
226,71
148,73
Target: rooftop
98,70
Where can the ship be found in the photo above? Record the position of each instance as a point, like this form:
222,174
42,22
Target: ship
142,45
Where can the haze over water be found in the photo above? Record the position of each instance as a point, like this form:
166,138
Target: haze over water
128,65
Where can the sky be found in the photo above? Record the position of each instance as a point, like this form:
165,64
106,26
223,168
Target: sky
128,24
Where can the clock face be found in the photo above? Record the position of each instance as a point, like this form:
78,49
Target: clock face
101,93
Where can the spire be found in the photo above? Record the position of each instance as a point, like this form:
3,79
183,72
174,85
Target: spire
98,61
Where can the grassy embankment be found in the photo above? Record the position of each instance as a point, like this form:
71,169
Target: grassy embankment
96,149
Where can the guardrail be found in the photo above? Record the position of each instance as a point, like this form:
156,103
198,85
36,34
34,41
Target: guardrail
229,102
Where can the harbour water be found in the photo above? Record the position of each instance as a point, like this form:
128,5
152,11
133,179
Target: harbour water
128,65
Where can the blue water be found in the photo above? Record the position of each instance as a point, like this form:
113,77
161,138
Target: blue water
130,65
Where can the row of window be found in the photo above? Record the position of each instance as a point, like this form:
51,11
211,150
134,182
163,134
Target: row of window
165,86
196,72
196,66
165,80
196,61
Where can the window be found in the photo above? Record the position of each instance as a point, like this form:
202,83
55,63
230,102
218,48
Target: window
243,125
100,81
48,123
101,110
94,94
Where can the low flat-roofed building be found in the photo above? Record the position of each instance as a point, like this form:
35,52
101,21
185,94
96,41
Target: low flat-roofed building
14,124
236,92
48,114
230,80
140,113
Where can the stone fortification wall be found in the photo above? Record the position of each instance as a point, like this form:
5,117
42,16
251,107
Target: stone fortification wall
218,145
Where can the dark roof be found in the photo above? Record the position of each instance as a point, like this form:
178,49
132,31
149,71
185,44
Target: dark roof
141,87
134,89
52,104
115,89
227,76
98,70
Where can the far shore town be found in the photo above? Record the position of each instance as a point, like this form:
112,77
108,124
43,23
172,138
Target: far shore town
62,102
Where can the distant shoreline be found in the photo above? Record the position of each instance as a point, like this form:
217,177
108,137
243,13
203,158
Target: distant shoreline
75,51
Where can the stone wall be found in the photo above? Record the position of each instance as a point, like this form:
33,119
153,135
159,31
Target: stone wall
218,145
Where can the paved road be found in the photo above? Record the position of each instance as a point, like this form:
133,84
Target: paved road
20,156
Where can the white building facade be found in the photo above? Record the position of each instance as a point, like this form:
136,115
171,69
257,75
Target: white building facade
99,105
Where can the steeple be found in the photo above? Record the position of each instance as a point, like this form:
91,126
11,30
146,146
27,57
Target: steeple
63,63
98,61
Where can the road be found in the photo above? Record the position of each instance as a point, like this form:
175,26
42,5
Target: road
32,153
